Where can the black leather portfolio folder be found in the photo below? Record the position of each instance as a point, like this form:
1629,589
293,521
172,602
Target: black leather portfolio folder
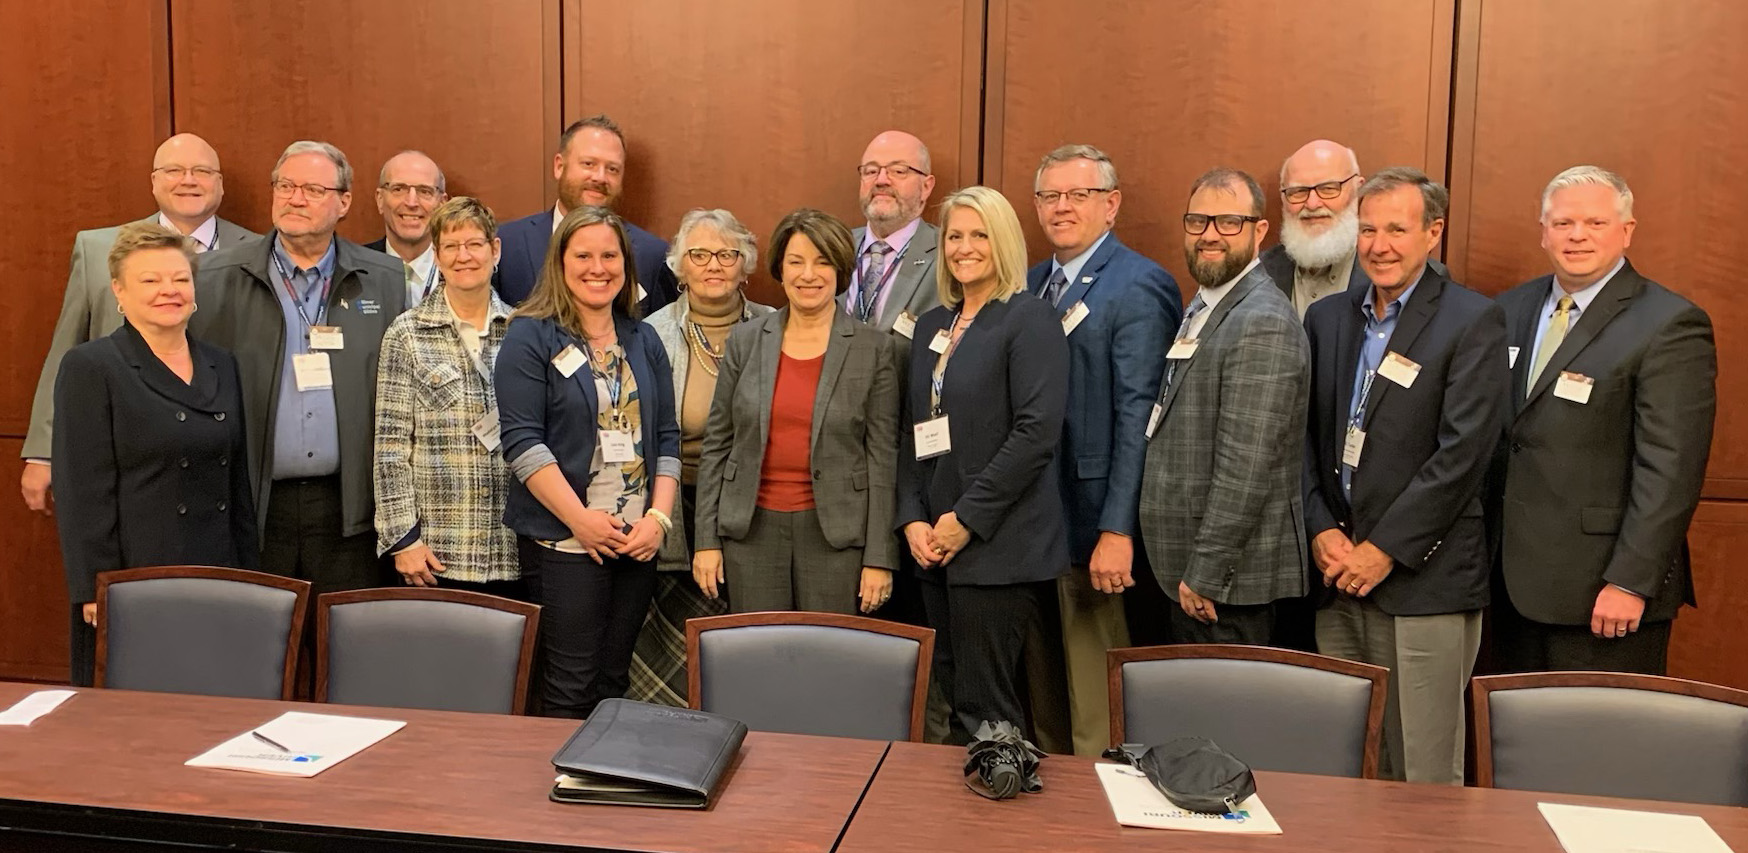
638,754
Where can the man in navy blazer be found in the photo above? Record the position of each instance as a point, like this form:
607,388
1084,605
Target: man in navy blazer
590,170
1118,310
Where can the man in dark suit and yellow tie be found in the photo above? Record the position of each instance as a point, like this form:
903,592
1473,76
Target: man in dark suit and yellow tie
1614,384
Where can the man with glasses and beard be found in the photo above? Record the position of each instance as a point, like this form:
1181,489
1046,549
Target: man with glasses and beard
1222,515
590,170
894,280
1319,224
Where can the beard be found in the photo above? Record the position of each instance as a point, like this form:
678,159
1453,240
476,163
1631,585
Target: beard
571,193
894,210
1333,244
1216,273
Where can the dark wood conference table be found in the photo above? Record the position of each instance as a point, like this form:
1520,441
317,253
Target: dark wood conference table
918,802
108,764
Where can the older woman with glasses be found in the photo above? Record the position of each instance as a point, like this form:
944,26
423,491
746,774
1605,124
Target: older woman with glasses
440,480
711,256
796,479
151,464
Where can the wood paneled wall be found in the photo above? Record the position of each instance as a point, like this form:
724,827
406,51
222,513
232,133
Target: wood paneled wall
763,107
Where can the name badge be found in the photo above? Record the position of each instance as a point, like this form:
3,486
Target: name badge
486,429
617,447
312,370
1153,419
1574,386
941,342
1073,317
569,360
1398,369
905,325
1352,445
1511,356
932,438
1181,349
327,337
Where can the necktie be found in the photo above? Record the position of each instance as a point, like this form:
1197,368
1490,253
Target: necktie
1183,330
868,290
1551,340
1054,287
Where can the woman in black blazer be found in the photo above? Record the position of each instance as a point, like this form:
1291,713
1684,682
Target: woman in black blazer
984,409
586,410
151,464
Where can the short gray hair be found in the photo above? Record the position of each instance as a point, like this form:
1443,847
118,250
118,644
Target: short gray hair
1436,200
1591,176
305,146
442,182
1066,153
730,228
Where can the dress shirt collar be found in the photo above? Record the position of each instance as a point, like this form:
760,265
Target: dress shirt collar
1071,269
1393,310
324,267
898,240
1581,298
1211,296
205,233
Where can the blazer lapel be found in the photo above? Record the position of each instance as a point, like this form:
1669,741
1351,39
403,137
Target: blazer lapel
1089,275
538,243
835,352
228,234
1523,339
1611,300
1239,291
768,355
1349,338
1419,311
156,375
909,276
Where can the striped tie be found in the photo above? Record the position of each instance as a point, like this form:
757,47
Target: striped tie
868,289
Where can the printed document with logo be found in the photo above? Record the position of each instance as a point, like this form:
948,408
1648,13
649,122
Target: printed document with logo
297,744
1136,802
1587,829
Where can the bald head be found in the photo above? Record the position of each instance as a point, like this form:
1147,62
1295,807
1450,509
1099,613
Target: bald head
186,181
407,193
412,167
896,194
1317,157
1319,221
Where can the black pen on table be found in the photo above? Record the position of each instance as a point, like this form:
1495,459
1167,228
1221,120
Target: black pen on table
269,741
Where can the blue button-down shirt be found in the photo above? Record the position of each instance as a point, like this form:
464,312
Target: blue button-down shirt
1373,347
306,432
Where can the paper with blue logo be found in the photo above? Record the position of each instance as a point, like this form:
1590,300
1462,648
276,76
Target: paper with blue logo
297,744
1136,802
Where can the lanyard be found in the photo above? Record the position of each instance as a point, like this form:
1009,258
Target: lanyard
615,386
940,376
1358,418
865,299
321,310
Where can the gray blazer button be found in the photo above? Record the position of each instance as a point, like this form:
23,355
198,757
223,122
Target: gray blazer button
183,462
224,461
181,509
221,506
181,416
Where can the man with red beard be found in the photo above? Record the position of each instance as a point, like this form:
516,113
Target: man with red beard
590,170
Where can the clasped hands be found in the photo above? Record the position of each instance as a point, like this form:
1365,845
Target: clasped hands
602,535
1349,568
936,545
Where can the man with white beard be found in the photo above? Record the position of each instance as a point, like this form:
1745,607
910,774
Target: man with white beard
1319,224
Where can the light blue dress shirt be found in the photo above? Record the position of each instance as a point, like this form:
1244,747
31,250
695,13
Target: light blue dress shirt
1373,347
306,432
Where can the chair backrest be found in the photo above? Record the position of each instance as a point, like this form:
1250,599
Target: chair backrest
1275,709
1612,734
200,629
437,649
811,673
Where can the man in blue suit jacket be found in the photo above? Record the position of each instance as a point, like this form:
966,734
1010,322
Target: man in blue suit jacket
590,170
1119,311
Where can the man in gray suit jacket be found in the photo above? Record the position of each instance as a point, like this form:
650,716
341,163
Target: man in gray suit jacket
1614,389
1221,510
894,280
188,186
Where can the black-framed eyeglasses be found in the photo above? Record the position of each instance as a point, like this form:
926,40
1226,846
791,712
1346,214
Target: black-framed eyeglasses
1228,224
701,257
177,173
896,171
425,192
1327,189
1078,195
311,192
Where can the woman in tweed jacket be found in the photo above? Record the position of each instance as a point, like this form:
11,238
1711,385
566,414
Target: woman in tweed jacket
440,478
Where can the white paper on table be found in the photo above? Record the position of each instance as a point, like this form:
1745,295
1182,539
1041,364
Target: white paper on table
32,707
1587,829
315,742
1136,802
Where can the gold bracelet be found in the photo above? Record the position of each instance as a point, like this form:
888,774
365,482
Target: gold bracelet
661,519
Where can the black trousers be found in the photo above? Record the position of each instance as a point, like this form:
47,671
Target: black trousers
1146,606
589,620
303,539
1238,624
1524,645
84,649
980,633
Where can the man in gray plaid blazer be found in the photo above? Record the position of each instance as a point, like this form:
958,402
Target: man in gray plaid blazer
1221,510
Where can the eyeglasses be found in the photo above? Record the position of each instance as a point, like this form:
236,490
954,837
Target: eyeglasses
1228,224
177,173
726,257
426,192
311,192
1078,195
473,247
1327,189
895,171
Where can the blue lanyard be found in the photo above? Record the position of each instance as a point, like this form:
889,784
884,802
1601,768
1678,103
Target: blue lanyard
940,377
615,386
1358,418
321,310
866,299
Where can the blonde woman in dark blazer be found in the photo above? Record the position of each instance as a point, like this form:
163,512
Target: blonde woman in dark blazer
796,479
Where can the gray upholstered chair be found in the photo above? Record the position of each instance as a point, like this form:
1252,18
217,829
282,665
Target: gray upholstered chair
437,649
811,673
198,629
1612,734
1275,709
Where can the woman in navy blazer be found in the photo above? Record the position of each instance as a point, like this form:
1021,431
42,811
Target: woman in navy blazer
586,411
983,518
151,464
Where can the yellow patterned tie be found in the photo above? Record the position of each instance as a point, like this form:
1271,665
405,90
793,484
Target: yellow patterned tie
1551,340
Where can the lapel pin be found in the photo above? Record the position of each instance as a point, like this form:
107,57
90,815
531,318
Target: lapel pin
1086,279
343,305
919,262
